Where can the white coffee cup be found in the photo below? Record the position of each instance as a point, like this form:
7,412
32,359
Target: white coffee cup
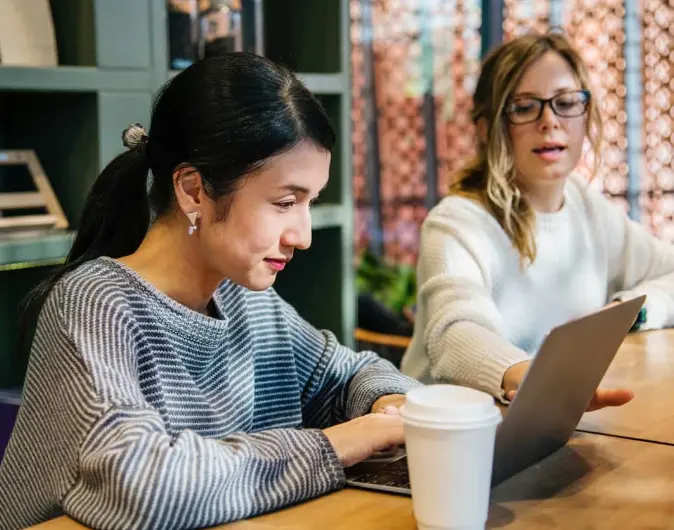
449,438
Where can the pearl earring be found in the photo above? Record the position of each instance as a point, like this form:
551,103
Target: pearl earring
192,216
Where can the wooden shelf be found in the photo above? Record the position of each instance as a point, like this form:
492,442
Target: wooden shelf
34,249
72,79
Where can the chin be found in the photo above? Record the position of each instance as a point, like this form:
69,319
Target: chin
556,176
259,283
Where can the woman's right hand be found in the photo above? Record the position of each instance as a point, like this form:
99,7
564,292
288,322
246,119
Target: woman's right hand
603,397
513,377
357,439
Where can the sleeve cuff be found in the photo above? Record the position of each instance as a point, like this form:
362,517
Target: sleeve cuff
371,383
329,461
653,314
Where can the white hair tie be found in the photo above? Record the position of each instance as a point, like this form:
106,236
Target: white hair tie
134,135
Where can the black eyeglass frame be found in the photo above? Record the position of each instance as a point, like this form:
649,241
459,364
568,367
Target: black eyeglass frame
550,101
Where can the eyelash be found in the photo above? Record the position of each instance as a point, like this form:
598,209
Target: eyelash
285,205
289,204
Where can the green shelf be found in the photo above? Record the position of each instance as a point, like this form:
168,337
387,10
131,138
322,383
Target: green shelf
34,249
325,83
72,79
328,216
322,84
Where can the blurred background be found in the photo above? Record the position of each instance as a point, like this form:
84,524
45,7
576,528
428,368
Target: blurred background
414,67
396,78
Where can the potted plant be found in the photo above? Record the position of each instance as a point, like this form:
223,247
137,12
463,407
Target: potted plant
386,295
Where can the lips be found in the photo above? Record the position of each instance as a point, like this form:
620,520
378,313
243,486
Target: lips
277,264
550,147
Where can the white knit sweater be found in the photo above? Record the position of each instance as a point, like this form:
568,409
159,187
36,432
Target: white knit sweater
479,312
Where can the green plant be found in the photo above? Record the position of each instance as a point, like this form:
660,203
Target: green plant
393,285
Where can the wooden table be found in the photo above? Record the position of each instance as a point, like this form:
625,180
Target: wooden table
596,481
645,364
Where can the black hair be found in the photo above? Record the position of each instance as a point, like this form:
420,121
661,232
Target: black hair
223,116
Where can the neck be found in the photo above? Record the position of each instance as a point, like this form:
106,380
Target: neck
546,197
168,258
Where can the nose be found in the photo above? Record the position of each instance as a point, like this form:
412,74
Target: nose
549,119
298,234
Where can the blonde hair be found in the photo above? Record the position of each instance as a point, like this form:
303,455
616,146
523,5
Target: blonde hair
490,177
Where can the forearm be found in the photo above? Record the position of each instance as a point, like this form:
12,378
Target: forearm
133,475
469,354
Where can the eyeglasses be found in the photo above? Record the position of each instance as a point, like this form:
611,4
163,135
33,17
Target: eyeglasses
528,109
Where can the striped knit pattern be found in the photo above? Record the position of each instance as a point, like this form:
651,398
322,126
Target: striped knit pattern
140,413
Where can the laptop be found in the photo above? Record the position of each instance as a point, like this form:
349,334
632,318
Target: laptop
551,400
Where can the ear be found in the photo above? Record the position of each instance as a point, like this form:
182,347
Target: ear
482,130
189,189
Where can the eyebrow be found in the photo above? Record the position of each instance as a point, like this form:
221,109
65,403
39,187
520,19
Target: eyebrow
535,95
295,188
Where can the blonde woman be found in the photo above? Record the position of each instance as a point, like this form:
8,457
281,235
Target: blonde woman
522,244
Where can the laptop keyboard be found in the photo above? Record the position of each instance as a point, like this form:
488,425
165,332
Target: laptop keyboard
392,474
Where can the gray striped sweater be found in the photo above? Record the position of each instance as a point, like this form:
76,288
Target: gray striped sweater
140,413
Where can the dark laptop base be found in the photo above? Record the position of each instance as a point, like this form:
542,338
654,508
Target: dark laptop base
389,475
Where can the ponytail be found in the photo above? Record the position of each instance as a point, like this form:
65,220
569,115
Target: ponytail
114,221
116,213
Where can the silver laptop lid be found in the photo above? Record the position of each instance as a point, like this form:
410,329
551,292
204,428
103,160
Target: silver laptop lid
559,386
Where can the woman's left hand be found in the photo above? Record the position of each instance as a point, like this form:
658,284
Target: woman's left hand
389,404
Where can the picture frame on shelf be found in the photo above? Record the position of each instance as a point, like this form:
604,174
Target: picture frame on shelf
19,209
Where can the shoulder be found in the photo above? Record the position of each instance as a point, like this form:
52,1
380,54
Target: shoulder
458,210
461,237
587,199
97,291
97,282
465,221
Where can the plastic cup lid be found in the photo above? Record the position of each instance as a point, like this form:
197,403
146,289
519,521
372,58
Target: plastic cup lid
450,404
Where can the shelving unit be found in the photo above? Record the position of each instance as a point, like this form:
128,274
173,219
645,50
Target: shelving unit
71,79
113,58
325,84
312,37
72,116
34,249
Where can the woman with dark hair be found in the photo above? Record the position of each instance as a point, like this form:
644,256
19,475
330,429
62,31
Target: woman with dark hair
168,384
